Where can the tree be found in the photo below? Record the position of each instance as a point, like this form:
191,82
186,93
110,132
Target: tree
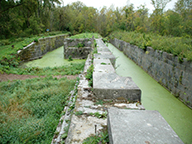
157,18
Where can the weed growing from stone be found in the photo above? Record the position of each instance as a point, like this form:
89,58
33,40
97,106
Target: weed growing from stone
30,110
101,138
80,45
89,75
98,115
99,102
78,113
70,58
103,63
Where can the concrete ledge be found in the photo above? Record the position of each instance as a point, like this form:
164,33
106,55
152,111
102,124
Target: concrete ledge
106,83
139,127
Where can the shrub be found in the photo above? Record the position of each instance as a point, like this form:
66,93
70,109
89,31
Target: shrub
178,46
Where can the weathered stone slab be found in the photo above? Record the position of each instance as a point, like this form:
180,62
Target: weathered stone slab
134,126
107,84
112,86
103,65
106,55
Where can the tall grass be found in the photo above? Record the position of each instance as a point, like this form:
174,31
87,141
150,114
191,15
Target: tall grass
72,69
178,46
30,109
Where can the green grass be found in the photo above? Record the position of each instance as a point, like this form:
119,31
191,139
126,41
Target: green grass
72,69
86,35
178,46
30,109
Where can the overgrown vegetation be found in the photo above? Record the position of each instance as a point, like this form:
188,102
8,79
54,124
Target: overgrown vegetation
72,69
178,46
89,75
30,109
25,17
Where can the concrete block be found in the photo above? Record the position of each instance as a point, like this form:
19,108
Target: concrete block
139,127
112,86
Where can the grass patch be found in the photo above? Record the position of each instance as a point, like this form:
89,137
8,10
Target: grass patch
72,69
178,46
86,35
30,110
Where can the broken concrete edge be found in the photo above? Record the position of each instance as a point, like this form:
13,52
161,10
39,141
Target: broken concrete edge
63,122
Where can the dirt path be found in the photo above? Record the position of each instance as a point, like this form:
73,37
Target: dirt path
11,77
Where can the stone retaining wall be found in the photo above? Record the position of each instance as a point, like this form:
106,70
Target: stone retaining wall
72,48
163,67
36,50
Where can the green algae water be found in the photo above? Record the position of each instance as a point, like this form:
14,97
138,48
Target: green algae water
156,97
54,58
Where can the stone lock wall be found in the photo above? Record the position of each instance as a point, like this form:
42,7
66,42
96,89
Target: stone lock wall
163,67
36,50
71,48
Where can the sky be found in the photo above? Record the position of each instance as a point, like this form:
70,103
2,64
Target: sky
119,3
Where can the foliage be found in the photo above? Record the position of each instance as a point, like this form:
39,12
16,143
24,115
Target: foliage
105,40
89,75
95,43
70,58
102,138
178,46
80,45
72,69
94,51
23,18
30,109
99,102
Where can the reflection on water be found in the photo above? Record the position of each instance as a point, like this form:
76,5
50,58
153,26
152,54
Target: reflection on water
155,97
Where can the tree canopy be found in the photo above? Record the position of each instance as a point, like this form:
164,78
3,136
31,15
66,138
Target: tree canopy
28,17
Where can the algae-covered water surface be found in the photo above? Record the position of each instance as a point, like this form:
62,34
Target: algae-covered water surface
156,97
51,59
